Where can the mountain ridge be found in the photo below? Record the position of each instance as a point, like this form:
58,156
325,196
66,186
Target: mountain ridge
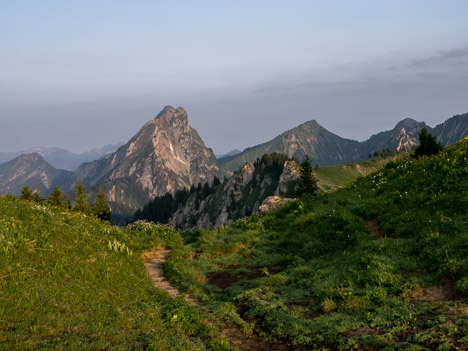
327,148
167,154
62,158
31,170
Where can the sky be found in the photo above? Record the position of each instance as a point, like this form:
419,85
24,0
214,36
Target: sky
83,74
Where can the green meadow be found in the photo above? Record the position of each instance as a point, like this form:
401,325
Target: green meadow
72,282
380,264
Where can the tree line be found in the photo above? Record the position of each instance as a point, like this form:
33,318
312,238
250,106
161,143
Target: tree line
100,208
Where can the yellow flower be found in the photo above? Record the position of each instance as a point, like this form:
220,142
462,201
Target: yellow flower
174,318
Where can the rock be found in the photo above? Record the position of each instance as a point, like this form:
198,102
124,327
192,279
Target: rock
289,176
273,203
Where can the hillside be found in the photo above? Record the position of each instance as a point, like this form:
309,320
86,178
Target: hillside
306,139
331,177
380,264
70,282
31,170
454,128
210,206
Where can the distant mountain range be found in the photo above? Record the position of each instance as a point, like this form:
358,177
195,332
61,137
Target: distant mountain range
326,148
228,154
30,170
61,158
168,154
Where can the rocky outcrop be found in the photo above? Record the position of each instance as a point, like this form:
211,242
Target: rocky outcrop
239,196
289,176
273,203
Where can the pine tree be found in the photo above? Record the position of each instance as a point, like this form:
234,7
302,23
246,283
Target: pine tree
101,208
81,202
26,194
55,198
68,202
428,144
307,184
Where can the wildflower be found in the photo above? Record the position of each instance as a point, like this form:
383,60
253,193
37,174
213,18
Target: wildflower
174,318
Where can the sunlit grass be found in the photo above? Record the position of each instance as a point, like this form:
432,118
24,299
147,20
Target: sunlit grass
350,268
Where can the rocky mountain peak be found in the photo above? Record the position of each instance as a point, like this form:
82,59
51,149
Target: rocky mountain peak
410,126
167,154
169,114
31,157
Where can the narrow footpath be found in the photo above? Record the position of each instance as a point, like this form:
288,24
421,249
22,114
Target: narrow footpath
154,261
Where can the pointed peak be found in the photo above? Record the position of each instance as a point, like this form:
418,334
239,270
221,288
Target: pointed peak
169,112
409,123
311,124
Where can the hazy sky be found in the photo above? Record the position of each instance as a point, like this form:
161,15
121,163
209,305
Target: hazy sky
82,74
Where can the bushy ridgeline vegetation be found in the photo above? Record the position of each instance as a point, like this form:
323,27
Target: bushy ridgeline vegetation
380,264
69,281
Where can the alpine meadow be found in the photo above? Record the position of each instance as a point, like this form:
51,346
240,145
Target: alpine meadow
234,175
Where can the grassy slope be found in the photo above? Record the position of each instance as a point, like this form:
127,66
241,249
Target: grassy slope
330,177
68,282
380,264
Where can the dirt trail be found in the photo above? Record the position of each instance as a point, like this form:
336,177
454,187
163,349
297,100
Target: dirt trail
154,261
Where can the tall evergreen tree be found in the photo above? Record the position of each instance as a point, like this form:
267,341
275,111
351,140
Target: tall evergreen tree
307,184
55,198
81,202
428,144
26,194
68,202
101,208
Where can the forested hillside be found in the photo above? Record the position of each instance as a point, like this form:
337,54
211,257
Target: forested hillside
208,206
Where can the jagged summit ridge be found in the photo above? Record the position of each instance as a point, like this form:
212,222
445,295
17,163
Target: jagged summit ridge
169,112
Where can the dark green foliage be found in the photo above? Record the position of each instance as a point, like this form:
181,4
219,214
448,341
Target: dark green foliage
271,163
307,183
428,144
180,312
101,208
161,208
55,198
68,201
81,202
26,194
